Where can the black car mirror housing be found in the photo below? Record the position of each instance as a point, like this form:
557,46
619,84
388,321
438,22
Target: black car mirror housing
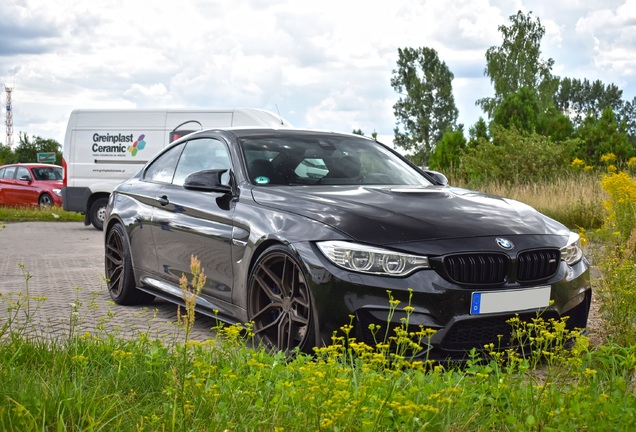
438,177
207,181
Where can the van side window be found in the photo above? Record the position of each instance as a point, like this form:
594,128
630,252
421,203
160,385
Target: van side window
202,154
162,169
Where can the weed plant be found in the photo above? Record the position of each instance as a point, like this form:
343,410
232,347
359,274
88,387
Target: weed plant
617,258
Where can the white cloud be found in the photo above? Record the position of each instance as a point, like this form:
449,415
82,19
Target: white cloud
322,64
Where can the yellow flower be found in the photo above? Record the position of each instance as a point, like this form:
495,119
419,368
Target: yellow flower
577,164
608,158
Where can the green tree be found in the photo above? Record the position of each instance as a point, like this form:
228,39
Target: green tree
27,149
520,109
374,134
478,133
426,108
555,124
582,98
628,117
601,136
517,63
6,155
523,110
448,151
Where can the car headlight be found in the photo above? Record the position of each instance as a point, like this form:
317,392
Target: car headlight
572,252
366,259
57,192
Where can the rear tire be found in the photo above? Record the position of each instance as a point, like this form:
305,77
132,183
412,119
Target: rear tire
119,272
97,213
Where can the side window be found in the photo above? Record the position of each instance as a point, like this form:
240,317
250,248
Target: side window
22,171
1,172
202,154
162,169
8,172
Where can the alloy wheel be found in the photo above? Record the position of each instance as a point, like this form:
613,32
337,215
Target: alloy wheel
115,262
280,304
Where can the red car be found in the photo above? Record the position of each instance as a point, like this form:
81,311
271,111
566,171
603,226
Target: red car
31,184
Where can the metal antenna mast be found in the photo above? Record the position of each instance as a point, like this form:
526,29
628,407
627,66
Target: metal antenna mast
9,119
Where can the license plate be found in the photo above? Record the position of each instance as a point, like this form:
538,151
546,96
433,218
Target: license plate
486,302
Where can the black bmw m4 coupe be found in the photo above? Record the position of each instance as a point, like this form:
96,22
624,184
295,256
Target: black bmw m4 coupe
299,230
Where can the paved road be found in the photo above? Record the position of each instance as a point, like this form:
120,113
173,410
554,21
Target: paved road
65,262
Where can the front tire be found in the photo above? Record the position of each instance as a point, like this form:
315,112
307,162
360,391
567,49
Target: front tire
119,272
97,213
45,201
279,302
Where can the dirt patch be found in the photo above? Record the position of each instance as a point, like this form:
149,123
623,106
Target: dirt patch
596,329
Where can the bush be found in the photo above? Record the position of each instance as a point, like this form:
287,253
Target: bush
515,157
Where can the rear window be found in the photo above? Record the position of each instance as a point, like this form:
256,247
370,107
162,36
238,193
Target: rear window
9,172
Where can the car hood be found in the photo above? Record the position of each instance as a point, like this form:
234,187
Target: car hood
387,215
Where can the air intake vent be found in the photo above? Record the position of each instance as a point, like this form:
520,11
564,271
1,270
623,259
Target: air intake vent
537,264
477,268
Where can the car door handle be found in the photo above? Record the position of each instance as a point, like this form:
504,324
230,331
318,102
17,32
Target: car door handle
163,200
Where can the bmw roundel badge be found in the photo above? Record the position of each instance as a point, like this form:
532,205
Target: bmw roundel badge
504,244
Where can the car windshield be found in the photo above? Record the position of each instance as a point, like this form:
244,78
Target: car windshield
47,173
325,160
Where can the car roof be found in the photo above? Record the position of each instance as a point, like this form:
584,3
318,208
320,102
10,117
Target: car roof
246,131
31,165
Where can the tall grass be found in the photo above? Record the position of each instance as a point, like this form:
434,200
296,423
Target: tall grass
23,214
574,199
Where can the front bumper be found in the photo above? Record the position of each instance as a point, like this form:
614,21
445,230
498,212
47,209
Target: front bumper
437,304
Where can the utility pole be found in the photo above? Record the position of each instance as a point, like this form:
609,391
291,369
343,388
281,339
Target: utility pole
9,116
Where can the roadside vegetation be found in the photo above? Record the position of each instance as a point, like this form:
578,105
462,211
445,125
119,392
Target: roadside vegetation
24,214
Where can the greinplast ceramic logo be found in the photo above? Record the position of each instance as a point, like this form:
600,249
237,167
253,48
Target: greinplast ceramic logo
117,144
138,145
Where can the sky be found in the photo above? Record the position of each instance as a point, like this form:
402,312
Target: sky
319,64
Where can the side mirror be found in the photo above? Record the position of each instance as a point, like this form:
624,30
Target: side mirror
438,177
207,181
26,178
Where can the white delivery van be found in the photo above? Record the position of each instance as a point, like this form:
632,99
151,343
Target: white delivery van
102,148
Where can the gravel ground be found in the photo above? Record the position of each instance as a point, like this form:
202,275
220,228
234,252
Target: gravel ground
64,263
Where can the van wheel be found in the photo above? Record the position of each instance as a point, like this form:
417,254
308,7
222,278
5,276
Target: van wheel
119,271
97,213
